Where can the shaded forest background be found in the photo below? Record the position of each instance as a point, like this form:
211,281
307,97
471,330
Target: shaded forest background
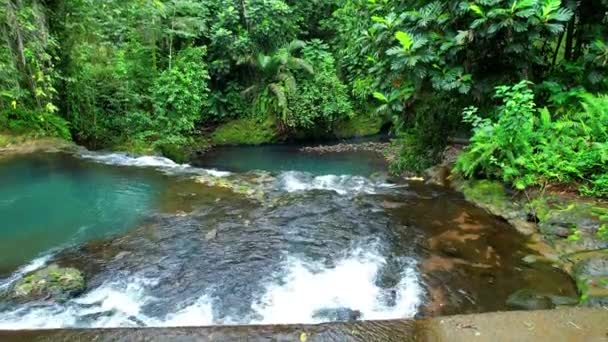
523,78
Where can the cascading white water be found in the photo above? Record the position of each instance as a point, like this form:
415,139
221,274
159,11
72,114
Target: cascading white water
157,162
307,287
296,291
294,181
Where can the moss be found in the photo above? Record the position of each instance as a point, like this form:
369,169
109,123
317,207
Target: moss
359,126
7,138
52,282
486,193
249,131
4,140
182,153
137,147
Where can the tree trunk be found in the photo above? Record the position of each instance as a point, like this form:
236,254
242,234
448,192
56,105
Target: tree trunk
570,39
243,13
559,45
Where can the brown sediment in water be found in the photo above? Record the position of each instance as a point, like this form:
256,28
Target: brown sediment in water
554,325
473,262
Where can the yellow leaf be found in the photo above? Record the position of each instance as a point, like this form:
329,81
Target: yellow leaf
303,337
14,104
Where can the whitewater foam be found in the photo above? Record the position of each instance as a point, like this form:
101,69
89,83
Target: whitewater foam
295,181
306,288
160,163
351,284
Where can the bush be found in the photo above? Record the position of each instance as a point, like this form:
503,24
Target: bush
179,95
525,147
23,121
321,99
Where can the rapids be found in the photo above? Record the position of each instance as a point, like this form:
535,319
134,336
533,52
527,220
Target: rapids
166,244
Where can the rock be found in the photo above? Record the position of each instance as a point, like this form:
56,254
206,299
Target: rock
338,314
526,299
577,220
591,275
375,147
437,175
53,282
237,186
493,197
211,235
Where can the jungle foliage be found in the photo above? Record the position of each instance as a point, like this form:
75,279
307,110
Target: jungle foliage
158,72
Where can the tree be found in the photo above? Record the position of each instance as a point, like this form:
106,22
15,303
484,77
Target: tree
275,80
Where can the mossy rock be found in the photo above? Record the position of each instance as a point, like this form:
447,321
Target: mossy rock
182,154
248,131
53,282
4,140
251,191
574,225
359,126
568,214
492,196
487,193
591,275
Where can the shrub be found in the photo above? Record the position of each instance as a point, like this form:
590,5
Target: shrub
524,146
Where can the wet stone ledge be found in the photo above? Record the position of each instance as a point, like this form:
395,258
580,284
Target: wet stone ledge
553,325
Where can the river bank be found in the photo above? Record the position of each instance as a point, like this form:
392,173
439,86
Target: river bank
554,325
570,231
11,144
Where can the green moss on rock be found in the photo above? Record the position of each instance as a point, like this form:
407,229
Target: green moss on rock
4,140
249,131
591,275
53,282
359,126
486,192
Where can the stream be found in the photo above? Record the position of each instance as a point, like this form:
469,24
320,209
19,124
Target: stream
251,235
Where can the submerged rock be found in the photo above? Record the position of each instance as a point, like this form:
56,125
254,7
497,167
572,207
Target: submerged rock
529,300
338,314
50,283
237,186
211,235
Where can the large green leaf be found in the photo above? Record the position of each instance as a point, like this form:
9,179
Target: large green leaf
405,39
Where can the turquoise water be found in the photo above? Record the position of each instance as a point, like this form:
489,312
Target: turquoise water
160,248
278,158
50,201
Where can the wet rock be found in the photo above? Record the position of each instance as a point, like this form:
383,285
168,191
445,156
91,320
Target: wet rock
591,275
50,283
577,220
529,300
211,235
493,197
237,186
338,314
345,147
437,175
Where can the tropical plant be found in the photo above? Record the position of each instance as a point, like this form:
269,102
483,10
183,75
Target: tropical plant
524,146
275,80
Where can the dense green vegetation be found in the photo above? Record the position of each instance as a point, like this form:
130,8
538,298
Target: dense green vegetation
524,77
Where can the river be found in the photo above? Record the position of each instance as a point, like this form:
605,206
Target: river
251,235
